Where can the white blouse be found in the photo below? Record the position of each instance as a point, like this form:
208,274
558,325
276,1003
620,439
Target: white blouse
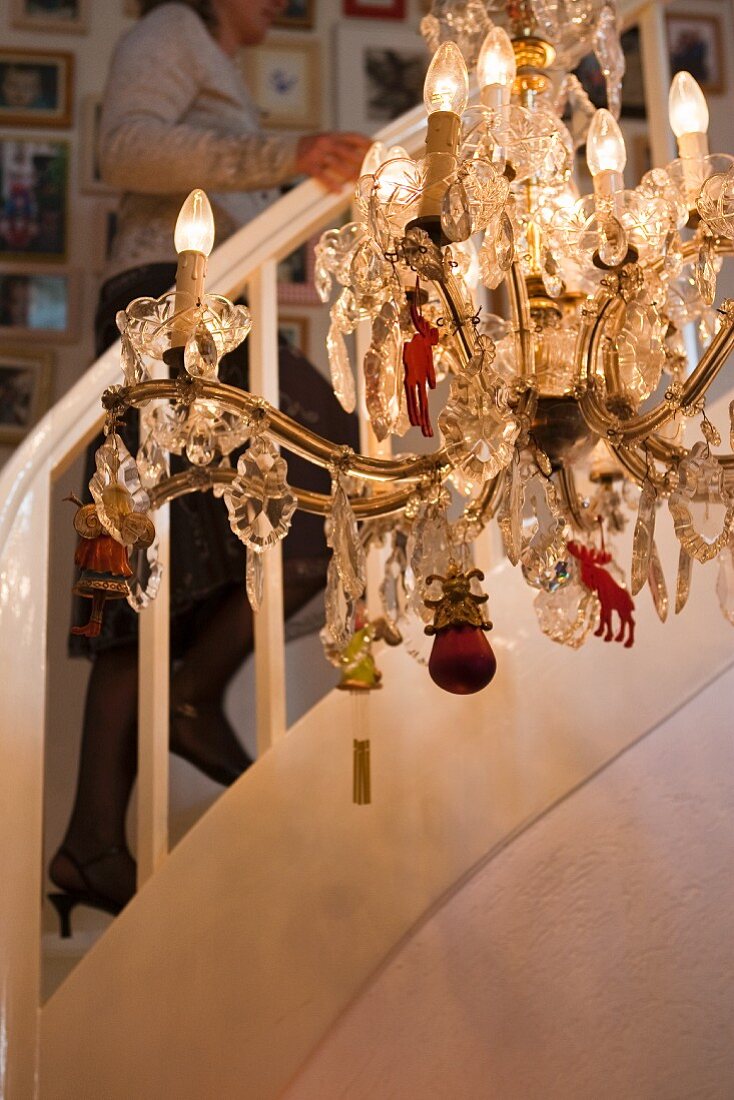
177,115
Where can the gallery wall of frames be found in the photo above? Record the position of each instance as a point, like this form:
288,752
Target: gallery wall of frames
352,64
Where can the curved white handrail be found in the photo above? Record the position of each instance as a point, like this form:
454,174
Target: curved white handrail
74,419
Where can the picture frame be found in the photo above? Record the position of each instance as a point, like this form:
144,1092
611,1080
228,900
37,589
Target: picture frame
34,199
298,15
295,329
90,179
695,44
25,390
56,16
284,76
380,74
36,88
374,9
296,276
39,304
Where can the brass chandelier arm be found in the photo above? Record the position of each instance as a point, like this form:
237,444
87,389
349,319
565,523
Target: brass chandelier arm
517,292
582,520
292,435
200,479
463,328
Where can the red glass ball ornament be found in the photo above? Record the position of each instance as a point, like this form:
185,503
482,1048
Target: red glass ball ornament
462,660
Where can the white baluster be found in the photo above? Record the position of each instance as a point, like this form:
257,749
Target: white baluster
656,78
269,630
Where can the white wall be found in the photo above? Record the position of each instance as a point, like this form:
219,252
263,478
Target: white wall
592,957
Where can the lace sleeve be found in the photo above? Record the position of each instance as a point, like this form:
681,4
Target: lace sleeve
145,147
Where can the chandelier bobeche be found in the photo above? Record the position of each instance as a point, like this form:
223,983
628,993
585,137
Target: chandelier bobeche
600,290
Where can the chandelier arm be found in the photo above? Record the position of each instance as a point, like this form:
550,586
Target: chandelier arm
292,435
721,245
318,504
517,293
571,499
450,296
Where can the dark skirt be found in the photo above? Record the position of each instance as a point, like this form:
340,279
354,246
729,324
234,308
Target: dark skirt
206,557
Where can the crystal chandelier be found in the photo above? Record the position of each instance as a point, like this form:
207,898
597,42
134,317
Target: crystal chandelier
563,419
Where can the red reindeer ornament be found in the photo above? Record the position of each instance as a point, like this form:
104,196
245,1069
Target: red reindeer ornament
612,596
419,369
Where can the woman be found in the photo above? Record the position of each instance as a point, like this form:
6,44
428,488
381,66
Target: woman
177,115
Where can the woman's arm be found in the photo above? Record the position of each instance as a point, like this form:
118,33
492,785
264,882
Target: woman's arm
153,81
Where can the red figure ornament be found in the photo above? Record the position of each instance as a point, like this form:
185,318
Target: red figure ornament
419,370
612,596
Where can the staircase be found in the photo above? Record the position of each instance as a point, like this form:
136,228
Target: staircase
262,934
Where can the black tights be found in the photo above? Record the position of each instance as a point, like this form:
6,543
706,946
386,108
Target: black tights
199,732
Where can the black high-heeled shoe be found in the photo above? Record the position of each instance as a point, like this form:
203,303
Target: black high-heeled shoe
67,899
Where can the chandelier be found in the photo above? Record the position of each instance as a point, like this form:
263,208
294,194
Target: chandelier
563,420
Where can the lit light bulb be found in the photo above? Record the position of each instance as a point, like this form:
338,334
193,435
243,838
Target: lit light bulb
447,81
195,225
496,68
605,148
687,107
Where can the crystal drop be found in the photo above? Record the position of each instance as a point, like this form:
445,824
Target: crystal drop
133,369
200,354
725,583
731,425
609,54
656,582
342,378
701,507
643,539
490,272
254,578
343,538
260,502
200,444
509,518
710,433
340,616
152,462
367,273
683,582
147,572
505,243
612,241
429,551
455,216
569,614
551,275
705,272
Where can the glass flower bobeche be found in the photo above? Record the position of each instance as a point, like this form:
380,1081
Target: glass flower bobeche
570,417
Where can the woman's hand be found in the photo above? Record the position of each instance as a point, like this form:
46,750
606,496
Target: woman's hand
332,159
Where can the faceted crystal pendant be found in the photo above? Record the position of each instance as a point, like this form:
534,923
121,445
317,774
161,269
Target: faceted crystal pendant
455,217
340,615
505,242
146,579
643,539
544,547
656,582
725,583
701,507
133,368
429,551
342,378
116,488
152,462
478,428
683,582
383,373
200,354
704,272
342,536
551,274
393,589
201,445
569,614
254,578
640,348
509,516
259,501
612,241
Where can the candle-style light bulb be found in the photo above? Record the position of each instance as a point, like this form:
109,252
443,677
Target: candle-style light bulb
496,68
687,107
446,86
605,148
195,225
193,239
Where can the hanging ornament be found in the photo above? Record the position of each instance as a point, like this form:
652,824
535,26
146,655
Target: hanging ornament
102,559
612,596
419,369
462,660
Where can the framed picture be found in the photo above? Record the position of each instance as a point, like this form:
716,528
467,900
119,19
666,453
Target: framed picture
36,304
295,276
25,390
633,89
90,180
36,88
298,15
51,15
380,74
34,190
694,44
295,331
284,76
375,9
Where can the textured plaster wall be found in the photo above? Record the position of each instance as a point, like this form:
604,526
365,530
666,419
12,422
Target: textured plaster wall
592,958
